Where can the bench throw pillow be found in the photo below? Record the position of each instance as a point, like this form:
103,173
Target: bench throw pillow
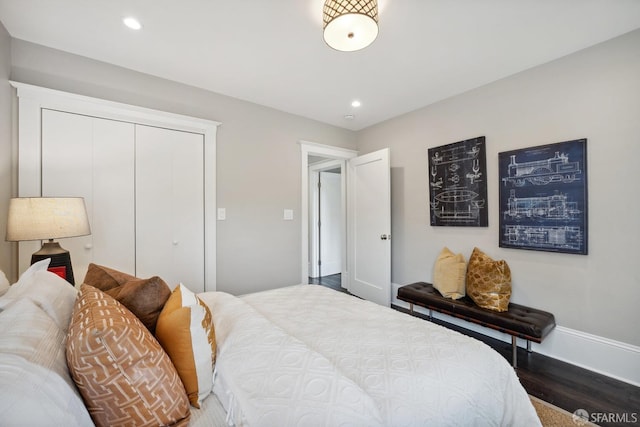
449,274
143,297
185,331
123,375
488,281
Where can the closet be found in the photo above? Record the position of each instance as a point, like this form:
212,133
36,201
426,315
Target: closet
147,177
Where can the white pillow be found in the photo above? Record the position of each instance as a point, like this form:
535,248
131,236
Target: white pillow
47,290
41,265
4,283
35,385
38,266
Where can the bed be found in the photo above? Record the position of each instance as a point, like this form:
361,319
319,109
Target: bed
310,356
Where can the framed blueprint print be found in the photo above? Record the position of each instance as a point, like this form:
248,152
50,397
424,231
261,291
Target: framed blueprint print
458,185
543,198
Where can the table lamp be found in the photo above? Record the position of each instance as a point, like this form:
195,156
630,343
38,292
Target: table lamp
48,218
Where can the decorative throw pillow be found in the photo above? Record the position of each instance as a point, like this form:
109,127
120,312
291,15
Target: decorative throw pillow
41,265
185,331
54,295
105,278
143,297
488,281
121,371
449,274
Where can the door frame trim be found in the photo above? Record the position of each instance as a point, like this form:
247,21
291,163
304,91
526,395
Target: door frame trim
308,148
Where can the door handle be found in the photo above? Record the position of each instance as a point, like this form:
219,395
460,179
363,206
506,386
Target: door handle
385,237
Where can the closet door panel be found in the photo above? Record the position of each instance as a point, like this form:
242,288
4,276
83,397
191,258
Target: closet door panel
113,203
66,172
188,210
170,206
88,157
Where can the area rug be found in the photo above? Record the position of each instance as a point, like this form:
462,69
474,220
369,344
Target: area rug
552,416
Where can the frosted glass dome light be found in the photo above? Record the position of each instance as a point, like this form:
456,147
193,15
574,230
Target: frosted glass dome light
350,25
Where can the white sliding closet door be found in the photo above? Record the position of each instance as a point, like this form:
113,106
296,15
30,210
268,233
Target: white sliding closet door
170,206
89,157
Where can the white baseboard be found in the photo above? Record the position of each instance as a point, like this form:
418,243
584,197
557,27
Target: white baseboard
602,355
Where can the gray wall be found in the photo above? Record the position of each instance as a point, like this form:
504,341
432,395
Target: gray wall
593,94
258,166
7,250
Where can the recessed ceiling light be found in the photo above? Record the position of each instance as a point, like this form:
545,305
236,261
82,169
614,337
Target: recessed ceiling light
132,23
356,104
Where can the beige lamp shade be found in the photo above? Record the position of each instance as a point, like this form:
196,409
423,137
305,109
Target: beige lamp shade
45,218
350,25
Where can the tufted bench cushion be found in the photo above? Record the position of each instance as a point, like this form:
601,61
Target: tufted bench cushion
518,321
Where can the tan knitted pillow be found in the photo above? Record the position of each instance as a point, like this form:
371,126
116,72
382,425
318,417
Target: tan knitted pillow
488,281
122,373
449,274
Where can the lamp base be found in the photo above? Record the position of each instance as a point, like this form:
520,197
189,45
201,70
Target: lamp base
60,259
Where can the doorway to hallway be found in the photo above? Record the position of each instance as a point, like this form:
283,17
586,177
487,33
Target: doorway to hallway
326,218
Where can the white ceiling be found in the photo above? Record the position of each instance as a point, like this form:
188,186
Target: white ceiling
271,52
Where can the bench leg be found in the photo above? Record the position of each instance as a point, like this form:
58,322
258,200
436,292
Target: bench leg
514,352
411,307
529,346
430,314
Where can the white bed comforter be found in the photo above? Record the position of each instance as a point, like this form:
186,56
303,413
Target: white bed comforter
309,356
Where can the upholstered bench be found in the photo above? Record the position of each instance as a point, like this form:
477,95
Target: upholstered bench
518,321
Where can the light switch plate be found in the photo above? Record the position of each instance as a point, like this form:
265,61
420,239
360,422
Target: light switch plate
288,214
222,214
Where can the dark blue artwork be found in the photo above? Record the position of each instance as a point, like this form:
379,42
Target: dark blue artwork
458,184
543,198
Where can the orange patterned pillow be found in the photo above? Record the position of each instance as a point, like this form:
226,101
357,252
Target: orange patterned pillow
185,331
488,281
123,375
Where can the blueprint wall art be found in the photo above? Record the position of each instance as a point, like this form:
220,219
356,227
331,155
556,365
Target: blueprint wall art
543,198
458,185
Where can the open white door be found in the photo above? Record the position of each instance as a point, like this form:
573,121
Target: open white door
369,218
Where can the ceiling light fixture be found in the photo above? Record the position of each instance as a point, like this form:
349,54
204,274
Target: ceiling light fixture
350,25
356,104
132,23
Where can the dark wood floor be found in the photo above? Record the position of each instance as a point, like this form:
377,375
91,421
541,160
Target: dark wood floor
611,402
334,282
